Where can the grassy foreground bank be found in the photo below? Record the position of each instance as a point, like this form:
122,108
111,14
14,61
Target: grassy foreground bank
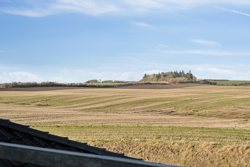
189,146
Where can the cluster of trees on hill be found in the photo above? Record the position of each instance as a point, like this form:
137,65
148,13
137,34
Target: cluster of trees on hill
170,77
187,75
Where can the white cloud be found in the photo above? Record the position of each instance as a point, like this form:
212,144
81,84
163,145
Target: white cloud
202,71
67,75
205,42
164,4
234,11
216,53
82,75
18,76
216,71
142,24
152,71
28,12
144,5
95,7
163,46
86,6
52,7
213,71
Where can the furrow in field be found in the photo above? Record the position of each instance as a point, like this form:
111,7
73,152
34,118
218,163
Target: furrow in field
94,101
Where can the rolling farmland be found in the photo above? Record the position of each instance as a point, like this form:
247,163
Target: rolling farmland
192,126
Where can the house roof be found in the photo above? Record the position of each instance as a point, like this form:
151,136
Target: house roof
20,134
58,158
23,146
14,133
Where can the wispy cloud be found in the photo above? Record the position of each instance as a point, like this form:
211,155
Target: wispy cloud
164,4
163,46
82,75
94,7
218,72
87,6
202,71
234,11
28,12
142,24
19,76
213,53
144,5
215,71
52,7
205,42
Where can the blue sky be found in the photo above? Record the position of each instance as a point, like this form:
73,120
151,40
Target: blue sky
78,40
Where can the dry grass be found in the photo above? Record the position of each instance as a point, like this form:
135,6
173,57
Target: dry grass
192,126
189,146
184,153
208,101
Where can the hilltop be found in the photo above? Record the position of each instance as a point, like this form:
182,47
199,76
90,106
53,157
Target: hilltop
169,77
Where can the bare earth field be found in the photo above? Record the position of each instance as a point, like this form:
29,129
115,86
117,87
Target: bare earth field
186,125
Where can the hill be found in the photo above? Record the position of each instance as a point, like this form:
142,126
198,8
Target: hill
169,77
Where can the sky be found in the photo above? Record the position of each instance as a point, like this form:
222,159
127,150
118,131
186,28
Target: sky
78,40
